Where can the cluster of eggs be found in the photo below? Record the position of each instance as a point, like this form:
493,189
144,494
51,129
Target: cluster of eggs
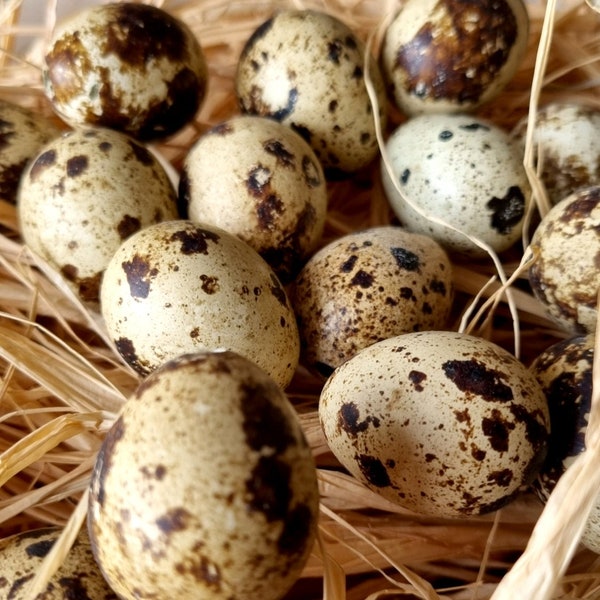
214,283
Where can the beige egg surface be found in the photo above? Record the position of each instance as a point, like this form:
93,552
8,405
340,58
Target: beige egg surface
205,486
366,286
177,287
128,66
305,68
441,423
261,181
566,141
86,192
451,55
455,177
564,276
78,577
23,133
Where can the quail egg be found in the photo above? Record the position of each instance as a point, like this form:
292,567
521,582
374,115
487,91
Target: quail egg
205,486
178,286
441,423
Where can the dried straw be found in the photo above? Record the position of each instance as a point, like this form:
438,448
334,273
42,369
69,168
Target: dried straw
62,385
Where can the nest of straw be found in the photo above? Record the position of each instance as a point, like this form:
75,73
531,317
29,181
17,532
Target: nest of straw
61,384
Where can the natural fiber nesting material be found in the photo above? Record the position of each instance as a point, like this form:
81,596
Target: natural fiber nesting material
61,385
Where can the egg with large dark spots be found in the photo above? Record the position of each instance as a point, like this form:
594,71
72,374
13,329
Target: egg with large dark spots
366,286
83,194
441,423
305,68
78,577
178,287
452,55
205,487
128,66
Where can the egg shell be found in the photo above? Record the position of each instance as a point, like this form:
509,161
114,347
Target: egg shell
463,171
22,134
452,55
565,373
78,576
178,287
85,193
259,180
205,486
567,145
305,68
128,66
566,247
441,423
367,286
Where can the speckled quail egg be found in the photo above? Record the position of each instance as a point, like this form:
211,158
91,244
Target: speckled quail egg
452,55
305,68
86,192
366,286
567,144
463,171
442,423
205,486
179,286
22,134
564,371
128,66
566,247
261,181
79,576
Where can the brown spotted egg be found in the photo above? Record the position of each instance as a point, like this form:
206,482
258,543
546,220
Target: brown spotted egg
442,423
259,180
78,576
83,194
566,247
367,286
452,176
305,68
22,134
128,66
452,55
178,287
205,486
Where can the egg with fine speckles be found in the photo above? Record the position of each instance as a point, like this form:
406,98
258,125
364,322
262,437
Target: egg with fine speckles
261,181
305,68
441,423
128,66
367,286
452,55
564,276
451,176
83,194
179,286
78,576
205,486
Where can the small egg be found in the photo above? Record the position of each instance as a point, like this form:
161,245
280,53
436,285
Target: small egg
462,170
178,287
367,286
22,134
259,180
441,423
567,145
305,68
205,486
127,66
78,577
83,194
566,248
452,56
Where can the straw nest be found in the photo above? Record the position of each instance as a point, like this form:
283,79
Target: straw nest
61,384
